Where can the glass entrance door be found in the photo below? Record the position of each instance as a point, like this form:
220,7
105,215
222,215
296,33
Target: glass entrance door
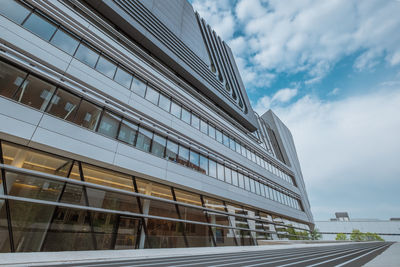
127,233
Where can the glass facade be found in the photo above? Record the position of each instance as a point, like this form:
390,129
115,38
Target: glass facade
42,220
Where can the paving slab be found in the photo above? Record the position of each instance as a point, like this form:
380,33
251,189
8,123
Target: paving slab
389,258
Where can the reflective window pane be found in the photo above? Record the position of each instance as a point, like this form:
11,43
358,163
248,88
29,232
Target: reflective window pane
152,95
109,124
194,159
228,175
203,127
240,180
185,115
197,235
211,131
171,152
87,55
164,103
164,234
106,67
203,164
65,42
123,77
252,186
10,79
183,155
40,26
4,235
128,132
158,146
176,110
232,144
195,121
88,115
14,11
144,139
138,86
235,178
218,136
64,105
212,168
238,147
35,92
220,172
246,183
225,140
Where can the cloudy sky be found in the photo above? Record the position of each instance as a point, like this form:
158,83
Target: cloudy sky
331,71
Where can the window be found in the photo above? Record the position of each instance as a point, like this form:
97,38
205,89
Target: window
164,103
87,55
158,146
186,115
258,190
109,124
195,121
171,152
235,178
241,180
225,140
152,95
65,42
144,139
228,175
40,26
35,92
10,79
194,159
106,67
64,105
232,144
218,136
238,147
252,186
243,151
123,77
203,127
87,115
183,155
212,168
203,164
211,131
128,132
246,183
14,11
176,110
253,157
220,172
138,87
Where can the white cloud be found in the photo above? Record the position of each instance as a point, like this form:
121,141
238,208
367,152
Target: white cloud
284,95
335,91
280,97
349,152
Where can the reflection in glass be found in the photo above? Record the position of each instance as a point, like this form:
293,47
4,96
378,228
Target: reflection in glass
40,26
218,136
63,105
220,172
203,165
88,115
35,92
87,55
176,110
198,235
211,131
235,178
10,79
123,77
183,156
152,95
4,235
14,11
212,168
203,127
109,124
138,87
185,115
228,175
158,146
127,233
106,67
65,42
164,234
128,132
144,139
225,140
164,103
241,180
195,121
171,153
194,159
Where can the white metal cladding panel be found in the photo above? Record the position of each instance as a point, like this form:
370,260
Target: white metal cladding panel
15,36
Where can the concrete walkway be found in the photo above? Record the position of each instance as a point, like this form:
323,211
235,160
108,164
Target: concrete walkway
39,258
389,258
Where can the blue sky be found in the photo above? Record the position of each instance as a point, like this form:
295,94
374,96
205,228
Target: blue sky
331,71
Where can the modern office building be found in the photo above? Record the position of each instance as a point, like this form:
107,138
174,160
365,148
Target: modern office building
125,124
389,230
